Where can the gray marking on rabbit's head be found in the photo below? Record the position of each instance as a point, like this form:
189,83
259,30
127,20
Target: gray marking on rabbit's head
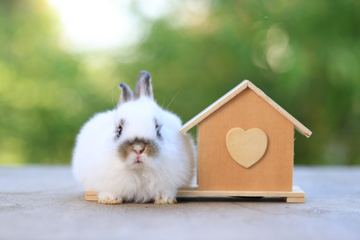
143,86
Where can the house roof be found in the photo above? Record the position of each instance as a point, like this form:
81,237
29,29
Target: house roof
231,94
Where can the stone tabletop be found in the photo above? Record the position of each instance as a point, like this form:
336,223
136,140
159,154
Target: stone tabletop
44,202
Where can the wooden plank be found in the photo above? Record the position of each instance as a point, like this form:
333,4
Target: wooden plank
91,198
216,168
295,200
296,195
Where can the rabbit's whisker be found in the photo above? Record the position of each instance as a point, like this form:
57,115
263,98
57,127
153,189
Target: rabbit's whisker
172,100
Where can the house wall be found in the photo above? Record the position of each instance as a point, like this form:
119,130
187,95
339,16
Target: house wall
216,168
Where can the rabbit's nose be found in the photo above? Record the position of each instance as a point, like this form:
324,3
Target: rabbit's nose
138,152
138,149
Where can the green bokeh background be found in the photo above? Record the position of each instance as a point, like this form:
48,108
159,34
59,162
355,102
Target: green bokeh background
304,54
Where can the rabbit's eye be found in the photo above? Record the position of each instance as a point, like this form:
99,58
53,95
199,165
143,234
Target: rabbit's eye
119,131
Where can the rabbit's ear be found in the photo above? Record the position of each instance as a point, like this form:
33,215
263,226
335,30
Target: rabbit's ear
143,86
126,94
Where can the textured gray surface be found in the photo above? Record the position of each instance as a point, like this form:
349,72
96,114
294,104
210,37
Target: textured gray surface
45,203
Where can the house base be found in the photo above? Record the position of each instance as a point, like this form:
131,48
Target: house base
295,196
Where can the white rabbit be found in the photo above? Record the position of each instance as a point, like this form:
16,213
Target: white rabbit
134,152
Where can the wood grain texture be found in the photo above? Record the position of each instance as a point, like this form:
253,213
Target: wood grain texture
246,147
234,92
216,168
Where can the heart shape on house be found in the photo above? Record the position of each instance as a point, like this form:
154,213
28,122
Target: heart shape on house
246,147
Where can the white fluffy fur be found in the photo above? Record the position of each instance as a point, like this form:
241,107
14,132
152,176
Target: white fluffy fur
97,164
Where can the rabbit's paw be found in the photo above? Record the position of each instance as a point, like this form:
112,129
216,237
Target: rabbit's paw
166,201
108,198
171,201
160,201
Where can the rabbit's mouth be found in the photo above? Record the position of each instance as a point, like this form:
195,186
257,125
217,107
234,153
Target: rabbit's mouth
138,159
136,163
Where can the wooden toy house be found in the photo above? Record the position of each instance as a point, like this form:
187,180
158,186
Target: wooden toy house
246,146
